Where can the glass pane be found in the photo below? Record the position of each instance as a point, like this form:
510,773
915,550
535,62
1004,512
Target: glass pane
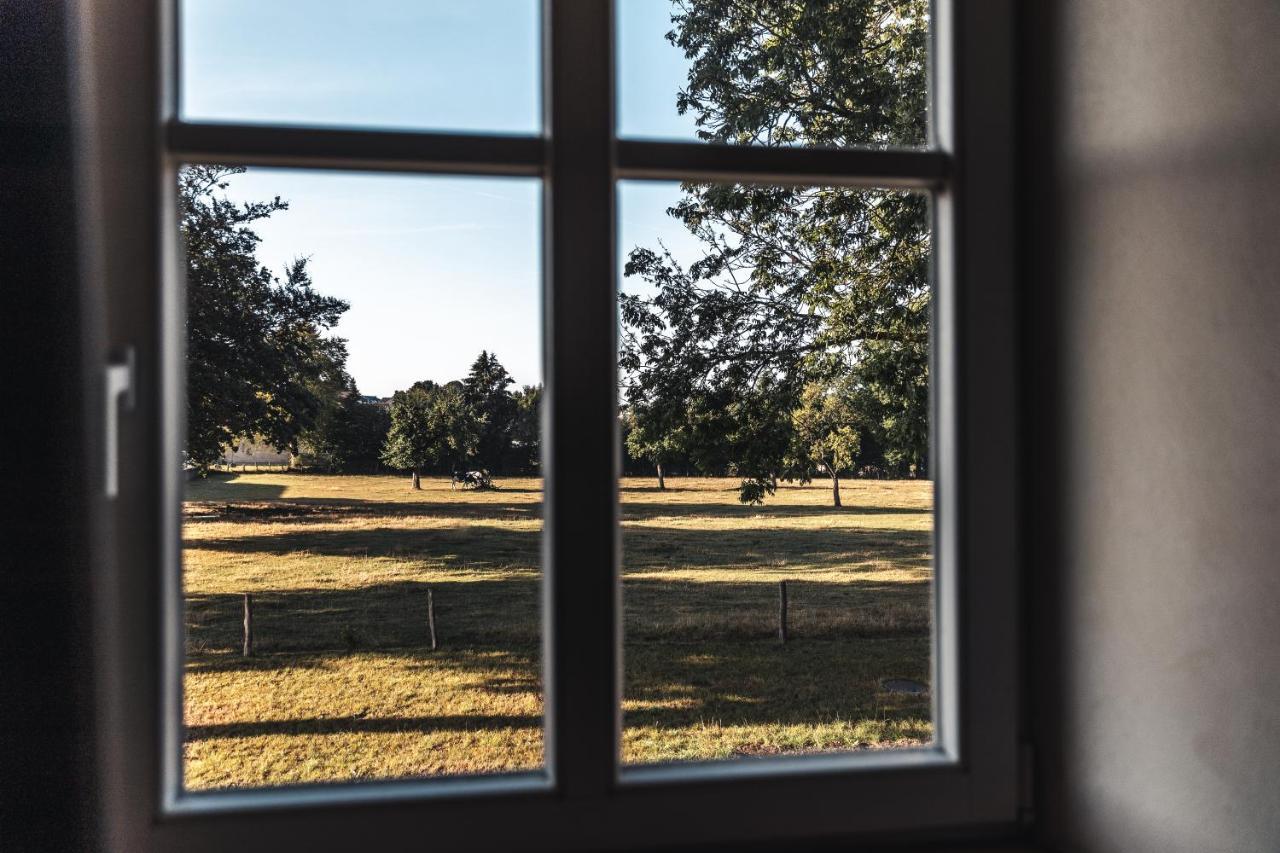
363,383
849,72
430,64
777,508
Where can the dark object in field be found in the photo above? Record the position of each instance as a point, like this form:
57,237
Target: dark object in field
904,685
248,625
431,617
480,480
782,612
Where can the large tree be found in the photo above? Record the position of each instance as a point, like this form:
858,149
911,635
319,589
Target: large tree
259,362
432,427
795,285
485,392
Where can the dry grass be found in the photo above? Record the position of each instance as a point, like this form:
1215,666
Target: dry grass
344,686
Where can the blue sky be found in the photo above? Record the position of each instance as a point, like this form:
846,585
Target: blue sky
435,268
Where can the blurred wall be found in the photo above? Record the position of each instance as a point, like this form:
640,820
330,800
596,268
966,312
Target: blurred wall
1152,264
46,724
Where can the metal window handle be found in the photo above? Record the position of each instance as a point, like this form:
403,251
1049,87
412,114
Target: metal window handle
120,395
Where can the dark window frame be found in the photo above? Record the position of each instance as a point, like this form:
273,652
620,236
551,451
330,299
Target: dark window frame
132,143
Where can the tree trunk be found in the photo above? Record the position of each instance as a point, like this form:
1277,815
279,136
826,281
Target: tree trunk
835,484
662,482
417,479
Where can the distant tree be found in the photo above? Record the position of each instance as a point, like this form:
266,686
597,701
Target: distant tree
657,435
258,361
348,434
432,427
526,428
485,392
825,434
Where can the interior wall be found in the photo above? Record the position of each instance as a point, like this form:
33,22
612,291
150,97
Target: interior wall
1152,266
46,727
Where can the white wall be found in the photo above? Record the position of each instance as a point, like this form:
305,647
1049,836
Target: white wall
1155,264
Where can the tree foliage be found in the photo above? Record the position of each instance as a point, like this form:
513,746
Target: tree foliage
526,430
259,363
432,428
796,285
348,434
659,431
825,433
470,429
485,392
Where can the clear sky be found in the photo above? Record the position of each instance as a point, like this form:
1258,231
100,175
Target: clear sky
435,268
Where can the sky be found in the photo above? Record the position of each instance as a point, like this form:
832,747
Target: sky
435,268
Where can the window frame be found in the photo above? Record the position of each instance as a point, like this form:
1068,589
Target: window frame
131,142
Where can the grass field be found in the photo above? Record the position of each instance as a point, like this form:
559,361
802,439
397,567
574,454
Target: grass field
343,684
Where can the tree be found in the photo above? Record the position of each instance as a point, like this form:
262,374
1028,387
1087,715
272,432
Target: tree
485,393
825,433
348,434
258,361
796,284
654,434
432,426
526,428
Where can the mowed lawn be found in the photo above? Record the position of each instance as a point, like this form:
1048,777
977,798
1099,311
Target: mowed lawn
343,684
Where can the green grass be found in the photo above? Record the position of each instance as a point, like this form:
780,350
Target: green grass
343,684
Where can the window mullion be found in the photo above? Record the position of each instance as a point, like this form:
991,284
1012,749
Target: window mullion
698,161
581,563
366,150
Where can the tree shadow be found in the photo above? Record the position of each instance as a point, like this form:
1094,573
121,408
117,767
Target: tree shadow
761,683
480,546
329,510
644,511
363,725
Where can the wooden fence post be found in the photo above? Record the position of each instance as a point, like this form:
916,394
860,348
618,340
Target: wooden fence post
782,612
431,617
248,625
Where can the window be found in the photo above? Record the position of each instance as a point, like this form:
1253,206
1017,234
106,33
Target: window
587,794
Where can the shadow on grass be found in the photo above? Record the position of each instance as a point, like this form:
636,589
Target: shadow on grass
310,510
363,725
669,687
478,546
223,487
764,683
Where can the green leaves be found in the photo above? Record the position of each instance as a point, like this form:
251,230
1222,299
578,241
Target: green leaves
432,427
473,424
797,287
258,361
485,392
825,430
822,72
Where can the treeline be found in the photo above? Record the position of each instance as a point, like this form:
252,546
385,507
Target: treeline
470,429
830,428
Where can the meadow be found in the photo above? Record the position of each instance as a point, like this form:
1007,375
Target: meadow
344,685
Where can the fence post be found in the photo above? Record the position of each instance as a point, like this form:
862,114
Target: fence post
248,625
782,612
431,617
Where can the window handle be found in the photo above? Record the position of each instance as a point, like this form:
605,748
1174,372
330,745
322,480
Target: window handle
121,396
